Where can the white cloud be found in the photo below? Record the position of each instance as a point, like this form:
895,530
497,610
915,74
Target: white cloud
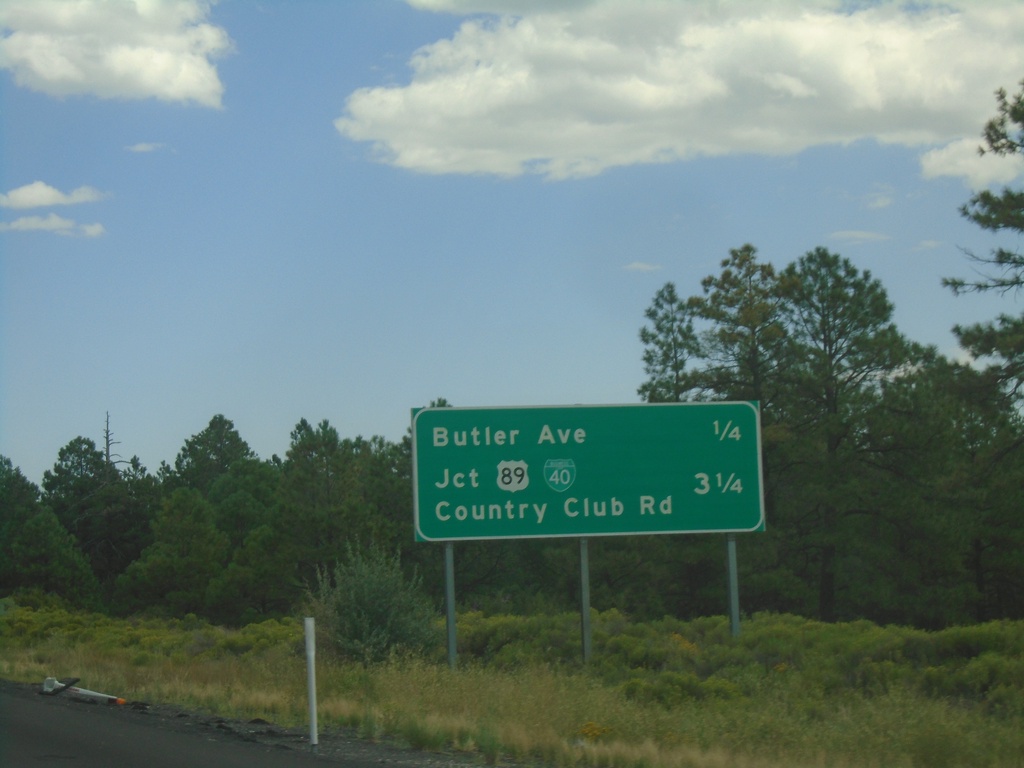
92,230
145,146
961,158
52,223
126,49
573,88
880,197
38,194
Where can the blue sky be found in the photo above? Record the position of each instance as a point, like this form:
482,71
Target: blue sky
343,210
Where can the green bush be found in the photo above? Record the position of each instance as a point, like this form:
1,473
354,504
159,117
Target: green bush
506,641
994,681
668,689
367,610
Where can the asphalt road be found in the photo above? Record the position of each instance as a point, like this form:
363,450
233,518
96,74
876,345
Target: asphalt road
37,730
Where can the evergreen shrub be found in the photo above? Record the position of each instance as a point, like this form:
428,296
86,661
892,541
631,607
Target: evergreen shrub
367,610
505,641
671,689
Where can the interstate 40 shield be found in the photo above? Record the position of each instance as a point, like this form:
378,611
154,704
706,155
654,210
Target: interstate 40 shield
550,471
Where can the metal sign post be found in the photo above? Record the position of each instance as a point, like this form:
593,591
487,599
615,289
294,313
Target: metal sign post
449,599
734,584
585,599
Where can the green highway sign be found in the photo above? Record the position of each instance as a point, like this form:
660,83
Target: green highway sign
606,470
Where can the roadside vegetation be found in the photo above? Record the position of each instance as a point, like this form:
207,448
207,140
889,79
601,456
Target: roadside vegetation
663,694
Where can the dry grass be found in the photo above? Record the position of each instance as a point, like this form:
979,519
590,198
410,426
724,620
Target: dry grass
532,713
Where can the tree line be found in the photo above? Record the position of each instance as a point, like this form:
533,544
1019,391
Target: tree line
892,474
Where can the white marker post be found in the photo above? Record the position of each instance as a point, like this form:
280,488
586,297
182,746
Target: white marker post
311,680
